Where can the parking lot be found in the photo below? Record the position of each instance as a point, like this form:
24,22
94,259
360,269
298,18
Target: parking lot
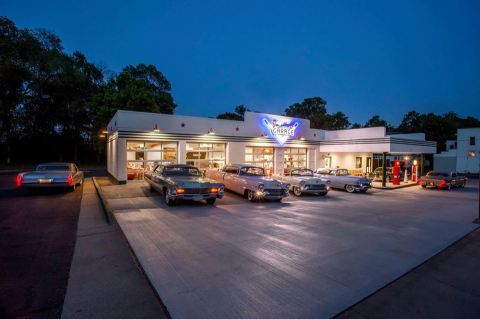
307,257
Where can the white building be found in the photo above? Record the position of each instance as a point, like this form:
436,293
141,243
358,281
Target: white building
461,155
138,140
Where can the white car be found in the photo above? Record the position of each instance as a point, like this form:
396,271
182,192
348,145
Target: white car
341,179
249,181
303,181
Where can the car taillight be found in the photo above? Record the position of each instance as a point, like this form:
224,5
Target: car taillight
19,180
442,183
70,180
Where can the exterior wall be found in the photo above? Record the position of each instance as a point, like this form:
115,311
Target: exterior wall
466,164
445,163
346,160
121,167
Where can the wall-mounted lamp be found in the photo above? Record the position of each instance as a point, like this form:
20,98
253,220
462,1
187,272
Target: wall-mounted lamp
104,132
302,138
156,129
211,131
406,158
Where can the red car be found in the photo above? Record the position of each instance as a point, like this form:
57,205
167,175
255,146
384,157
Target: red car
442,180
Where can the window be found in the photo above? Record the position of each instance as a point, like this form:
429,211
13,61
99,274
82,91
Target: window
294,158
358,162
471,154
260,156
205,155
144,156
472,140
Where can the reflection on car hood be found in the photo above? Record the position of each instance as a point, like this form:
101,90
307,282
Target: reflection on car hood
266,181
192,181
310,179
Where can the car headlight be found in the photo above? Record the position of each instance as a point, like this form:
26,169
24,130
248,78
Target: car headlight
261,186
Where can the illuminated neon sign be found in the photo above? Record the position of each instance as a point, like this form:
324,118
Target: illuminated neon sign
281,131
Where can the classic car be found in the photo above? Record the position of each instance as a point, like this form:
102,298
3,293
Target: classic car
303,181
443,180
51,175
249,181
340,179
183,182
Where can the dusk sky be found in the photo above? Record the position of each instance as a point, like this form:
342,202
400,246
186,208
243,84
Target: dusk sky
363,57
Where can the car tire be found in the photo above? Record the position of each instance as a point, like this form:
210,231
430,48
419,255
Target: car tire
151,188
168,200
297,191
250,195
350,188
424,186
211,201
449,187
462,185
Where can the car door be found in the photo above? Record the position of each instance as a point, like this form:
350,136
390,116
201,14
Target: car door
237,181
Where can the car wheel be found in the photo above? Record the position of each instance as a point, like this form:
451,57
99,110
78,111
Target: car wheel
168,200
463,184
449,187
349,188
297,191
151,188
250,195
211,201
424,186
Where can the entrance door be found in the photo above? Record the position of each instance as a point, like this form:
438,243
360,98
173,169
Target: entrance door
327,162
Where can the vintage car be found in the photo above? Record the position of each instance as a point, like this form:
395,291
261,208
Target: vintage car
340,179
249,181
443,180
183,182
303,181
51,175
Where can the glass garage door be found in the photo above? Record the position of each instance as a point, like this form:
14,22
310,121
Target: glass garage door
143,156
294,158
206,155
260,156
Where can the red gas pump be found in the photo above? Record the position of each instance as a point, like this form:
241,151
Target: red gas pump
396,172
414,171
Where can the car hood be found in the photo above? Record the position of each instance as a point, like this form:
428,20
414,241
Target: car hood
193,181
268,182
310,179
45,174
352,179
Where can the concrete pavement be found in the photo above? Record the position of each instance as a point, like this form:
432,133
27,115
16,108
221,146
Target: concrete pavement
308,257
105,281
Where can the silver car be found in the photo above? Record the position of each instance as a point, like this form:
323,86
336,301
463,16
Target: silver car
340,179
303,181
51,175
183,182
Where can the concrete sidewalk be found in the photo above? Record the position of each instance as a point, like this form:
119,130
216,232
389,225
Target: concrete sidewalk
446,286
105,281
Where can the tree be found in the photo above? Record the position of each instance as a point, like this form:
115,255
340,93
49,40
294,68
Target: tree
376,121
337,121
313,109
355,125
237,115
412,122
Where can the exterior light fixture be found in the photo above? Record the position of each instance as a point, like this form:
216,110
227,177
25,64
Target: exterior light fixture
104,132
302,138
211,131
156,129
415,162
101,135
406,158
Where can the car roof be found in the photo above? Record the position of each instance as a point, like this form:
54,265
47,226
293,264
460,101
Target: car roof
54,163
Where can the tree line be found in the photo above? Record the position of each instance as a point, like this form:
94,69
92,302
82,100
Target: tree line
55,105
439,128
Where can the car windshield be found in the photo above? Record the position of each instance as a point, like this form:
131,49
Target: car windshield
341,172
302,172
252,171
434,173
323,171
181,171
53,167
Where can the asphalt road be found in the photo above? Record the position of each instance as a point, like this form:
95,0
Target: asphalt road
37,240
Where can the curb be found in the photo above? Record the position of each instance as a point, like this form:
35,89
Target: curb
108,211
390,188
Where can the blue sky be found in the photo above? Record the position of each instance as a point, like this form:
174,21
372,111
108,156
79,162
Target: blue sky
363,57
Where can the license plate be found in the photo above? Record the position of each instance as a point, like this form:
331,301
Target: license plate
45,181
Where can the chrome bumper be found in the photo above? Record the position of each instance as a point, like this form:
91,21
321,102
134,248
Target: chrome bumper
362,187
196,197
307,190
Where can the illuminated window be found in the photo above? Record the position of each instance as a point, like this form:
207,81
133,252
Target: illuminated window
472,154
260,156
358,162
294,158
144,156
206,155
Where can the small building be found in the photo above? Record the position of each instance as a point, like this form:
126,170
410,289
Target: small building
462,155
137,141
